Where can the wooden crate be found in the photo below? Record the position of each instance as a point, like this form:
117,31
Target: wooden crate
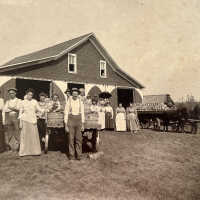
55,120
91,121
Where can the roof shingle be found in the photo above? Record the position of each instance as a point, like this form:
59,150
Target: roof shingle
44,53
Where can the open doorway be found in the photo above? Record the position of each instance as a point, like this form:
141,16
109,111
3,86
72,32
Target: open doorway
125,96
39,86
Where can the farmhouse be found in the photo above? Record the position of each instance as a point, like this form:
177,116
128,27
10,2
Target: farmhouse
81,62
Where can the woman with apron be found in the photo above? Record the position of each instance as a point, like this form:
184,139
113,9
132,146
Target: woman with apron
133,120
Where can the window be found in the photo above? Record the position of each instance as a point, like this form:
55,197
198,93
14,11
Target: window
72,63
103,73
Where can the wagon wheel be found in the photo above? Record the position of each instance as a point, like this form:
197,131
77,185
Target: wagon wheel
46,141
188,127
145,124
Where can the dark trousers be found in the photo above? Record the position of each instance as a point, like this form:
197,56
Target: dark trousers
12,135
75,135
41,129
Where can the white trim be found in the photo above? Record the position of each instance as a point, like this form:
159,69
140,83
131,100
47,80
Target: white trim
124,87
75,45
112,60
105,68
57,55
75,64
66,81
30,78
4,79
108,60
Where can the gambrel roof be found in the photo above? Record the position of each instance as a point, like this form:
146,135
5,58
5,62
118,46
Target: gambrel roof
58,50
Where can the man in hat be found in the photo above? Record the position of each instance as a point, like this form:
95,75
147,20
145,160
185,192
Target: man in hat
68,94
10,120
74,119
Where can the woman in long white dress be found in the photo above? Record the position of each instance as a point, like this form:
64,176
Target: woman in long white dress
120,118
29,137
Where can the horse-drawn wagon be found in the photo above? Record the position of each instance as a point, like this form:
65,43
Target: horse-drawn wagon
160,112
157,111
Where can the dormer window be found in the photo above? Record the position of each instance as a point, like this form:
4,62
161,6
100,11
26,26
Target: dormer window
103,73
72,65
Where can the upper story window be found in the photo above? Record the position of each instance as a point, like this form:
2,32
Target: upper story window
103,73
72,64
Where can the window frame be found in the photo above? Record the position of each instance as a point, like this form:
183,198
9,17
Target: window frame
75,64
105,68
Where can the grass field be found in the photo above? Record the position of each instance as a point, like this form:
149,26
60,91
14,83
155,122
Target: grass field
149,165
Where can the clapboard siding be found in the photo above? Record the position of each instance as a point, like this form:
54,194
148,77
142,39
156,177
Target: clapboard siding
87,69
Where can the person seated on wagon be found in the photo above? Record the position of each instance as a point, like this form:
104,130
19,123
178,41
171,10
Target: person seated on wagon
56,105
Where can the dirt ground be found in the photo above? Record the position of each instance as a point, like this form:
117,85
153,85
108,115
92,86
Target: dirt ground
149,165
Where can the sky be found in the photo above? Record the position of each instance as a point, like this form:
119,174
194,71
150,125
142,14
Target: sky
155,41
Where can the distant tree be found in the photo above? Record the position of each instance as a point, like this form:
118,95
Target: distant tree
196,112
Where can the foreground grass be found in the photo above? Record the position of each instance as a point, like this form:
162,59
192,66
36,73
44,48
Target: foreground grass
148,166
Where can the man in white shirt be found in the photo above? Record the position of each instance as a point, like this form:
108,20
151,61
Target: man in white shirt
10,120
74,119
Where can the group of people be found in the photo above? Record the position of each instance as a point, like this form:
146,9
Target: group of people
127,119
23,122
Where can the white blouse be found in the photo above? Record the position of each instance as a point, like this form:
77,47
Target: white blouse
28,110
74,107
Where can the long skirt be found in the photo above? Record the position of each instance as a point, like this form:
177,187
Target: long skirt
109,121
120,122
29,140
133,122
102,120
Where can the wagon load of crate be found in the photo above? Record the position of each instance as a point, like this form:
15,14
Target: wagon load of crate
156,103
155,107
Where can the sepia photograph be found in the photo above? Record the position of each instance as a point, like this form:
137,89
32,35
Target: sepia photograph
100,100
